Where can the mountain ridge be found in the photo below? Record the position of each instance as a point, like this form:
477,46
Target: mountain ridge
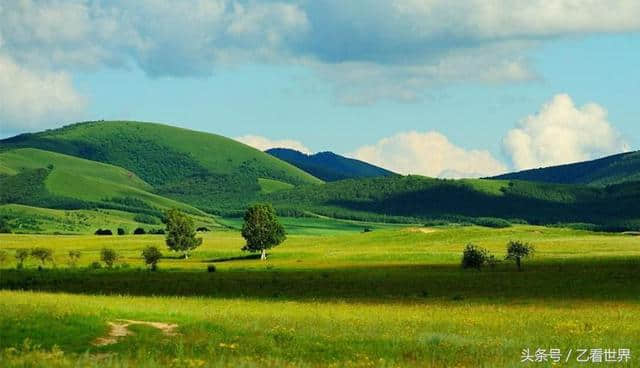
329,166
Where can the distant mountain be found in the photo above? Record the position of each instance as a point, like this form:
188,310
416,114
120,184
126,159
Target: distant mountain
614,169
328,166
205,170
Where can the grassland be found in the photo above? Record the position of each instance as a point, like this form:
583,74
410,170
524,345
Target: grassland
391,297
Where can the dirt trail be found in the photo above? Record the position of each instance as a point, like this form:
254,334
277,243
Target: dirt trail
424,230
120,329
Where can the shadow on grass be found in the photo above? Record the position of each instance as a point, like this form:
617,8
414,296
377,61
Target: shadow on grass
611,279
236,258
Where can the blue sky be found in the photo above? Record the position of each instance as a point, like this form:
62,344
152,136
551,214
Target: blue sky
461,97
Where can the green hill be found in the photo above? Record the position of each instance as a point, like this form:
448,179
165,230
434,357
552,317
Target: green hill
206,170
416,198
608,170
48,179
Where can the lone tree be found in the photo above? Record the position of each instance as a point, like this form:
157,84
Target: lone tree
261,229
151,257
42,254
109,256
517,250
21,256
181,233
74,256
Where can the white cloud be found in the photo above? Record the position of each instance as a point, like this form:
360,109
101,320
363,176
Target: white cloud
430,154
31,100
563,133
393,50
263,143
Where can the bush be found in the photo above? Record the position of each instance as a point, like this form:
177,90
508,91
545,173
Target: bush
4,226
95,265
211,268
146,219
108,256
4,256
139,231
74,256
151,257
121,231
21,256
476,257
495,223
517,250
103,232
157,231
367,230
202,229
42,254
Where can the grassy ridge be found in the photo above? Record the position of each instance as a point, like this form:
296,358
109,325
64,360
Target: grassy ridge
49,179
415,198
205,170
614,169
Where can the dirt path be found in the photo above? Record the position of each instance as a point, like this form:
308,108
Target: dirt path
120,329
424,230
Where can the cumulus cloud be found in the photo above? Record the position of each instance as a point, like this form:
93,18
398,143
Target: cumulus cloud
563,133
430,154
31,101
263,143
394,50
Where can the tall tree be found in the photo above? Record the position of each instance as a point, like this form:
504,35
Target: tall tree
181,233
261,229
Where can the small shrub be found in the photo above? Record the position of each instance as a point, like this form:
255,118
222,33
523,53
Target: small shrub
475,257
146,219
4,256
367,230
74,256
108,256
139,231
95,265
42,254
4,226
21,256
151,257
121,231
211,268
491,222
103,232
202,229
517,250
157,231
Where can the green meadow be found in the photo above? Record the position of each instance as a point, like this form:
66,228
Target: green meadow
330,295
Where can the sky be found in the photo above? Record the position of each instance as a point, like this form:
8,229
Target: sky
432,87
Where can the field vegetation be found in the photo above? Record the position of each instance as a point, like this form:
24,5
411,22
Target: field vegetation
386,297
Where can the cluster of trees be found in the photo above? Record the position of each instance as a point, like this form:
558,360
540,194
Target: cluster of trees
123,231
261,230
477,257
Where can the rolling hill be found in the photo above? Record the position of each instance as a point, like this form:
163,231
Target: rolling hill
47,179
608,170
206,170
481,201
328,166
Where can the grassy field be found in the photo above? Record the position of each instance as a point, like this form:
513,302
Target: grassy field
395,296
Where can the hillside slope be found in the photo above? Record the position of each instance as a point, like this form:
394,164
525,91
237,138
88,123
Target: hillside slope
416,198
47,179
206,170
328,166
608,170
